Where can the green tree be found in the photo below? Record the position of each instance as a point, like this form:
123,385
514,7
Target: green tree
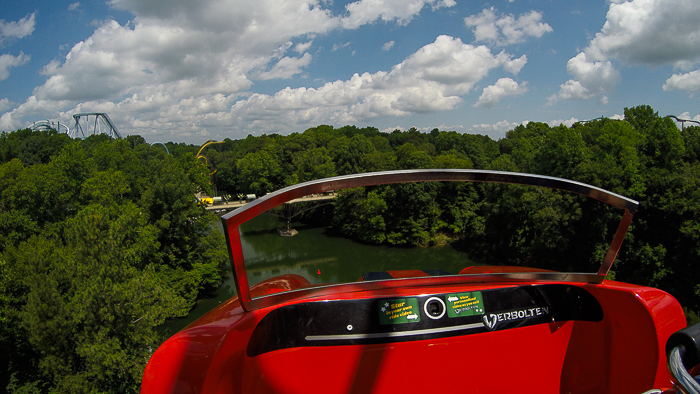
410,157
522,144
360,215
349,154
452,159
260,172
562,151
90,311
98,247
31,147
315,163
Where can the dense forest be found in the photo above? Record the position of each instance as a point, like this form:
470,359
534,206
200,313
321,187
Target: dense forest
102,240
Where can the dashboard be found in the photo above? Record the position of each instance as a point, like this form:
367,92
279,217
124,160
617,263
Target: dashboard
420,317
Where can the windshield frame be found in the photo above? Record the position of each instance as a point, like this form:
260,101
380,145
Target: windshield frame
232,221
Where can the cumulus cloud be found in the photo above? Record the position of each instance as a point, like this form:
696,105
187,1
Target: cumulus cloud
642,32
503,88
689,82
5,104
686,116
388,45
173,52
303,46
188,67
432,79
8,61
568,123
339,46
649,32
516,65
495,131
506,29
188,50
591,79
41,109
401,11
594,76
19,29
618,117
286,67
10,30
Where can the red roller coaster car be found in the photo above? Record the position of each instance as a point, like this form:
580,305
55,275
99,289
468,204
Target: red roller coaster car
486,329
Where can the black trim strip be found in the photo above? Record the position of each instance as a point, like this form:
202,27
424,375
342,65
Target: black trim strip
393,334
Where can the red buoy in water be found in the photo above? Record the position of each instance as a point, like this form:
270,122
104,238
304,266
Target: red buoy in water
318,272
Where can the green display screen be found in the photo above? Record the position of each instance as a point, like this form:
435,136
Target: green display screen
465,304
398,311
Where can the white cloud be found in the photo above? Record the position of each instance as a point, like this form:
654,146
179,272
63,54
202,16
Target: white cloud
516,65
9,30
5,104
649,32
595,76
568,123
432,79
339,46
41,109
286,67
504,87
402,11
8,61
689,82
188,68
591,79
187,50
572,89
495,131
506,29
444,3
686,115
74,6
19,29
388,45
303,46
179,51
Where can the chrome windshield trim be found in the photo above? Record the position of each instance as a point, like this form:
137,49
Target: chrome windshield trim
234,219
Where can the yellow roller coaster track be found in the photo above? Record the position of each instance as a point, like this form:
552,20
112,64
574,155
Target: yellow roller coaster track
201,156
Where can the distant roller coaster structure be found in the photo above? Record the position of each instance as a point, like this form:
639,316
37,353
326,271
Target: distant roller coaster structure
44,125
682,121
84,125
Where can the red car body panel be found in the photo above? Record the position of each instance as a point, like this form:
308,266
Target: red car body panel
622,353
521,329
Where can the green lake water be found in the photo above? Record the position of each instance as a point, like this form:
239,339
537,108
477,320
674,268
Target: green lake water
319,249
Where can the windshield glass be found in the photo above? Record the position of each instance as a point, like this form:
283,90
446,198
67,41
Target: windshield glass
427,229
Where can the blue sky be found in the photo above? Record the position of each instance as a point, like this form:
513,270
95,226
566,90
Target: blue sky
192,70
